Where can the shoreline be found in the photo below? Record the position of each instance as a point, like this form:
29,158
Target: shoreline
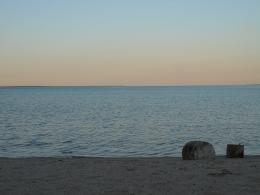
129,175
218,157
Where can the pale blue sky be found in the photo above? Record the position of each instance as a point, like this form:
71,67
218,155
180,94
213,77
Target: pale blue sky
54,18
129,42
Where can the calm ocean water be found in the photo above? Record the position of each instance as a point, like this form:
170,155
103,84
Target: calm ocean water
126,121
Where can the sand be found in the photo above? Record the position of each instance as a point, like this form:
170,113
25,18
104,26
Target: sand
86,175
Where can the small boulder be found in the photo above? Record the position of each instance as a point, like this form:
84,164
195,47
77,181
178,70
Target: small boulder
195,150
235,151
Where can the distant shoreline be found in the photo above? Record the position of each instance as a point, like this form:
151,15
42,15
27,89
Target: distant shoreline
108,86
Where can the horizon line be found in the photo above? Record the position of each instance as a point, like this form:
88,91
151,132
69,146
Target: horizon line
152,85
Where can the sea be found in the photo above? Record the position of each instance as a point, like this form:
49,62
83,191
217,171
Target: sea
137,121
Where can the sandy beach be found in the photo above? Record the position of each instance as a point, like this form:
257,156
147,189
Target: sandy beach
168,175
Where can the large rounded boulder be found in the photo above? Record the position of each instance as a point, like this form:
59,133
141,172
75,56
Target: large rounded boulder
195,150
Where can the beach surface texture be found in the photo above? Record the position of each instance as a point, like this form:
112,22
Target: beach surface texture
167,175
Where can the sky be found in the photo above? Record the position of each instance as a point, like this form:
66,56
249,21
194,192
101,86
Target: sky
129,42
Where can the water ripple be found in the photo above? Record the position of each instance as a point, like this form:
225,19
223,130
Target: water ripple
126,121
